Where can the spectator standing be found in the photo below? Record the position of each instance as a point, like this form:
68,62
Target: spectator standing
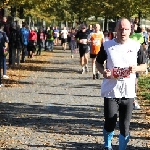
136,25
7,29
3,51
13,43
6,26
146,38
25,40
46,35
32,43
56,35
40,40
139,38
50,39
19,44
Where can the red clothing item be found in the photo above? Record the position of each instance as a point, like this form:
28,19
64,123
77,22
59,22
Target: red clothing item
110,35
42,36
33,36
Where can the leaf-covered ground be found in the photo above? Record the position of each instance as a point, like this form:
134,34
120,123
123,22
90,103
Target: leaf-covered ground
144,96
16,73
63,110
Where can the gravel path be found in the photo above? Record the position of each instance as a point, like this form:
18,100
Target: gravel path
59,109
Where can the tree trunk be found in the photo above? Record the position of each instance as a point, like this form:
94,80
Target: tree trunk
105,23
79,20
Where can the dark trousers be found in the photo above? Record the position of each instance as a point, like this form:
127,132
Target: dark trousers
45,45
77,45
24,52
50,45
40,45
111,108
72,45
1,58
4,65
10,55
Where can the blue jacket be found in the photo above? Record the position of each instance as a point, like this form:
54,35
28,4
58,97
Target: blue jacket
3,39
25,35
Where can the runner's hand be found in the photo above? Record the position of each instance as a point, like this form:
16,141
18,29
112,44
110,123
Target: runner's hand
132,69
107,74
80,41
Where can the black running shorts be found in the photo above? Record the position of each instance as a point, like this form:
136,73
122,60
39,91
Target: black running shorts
83,49
93,55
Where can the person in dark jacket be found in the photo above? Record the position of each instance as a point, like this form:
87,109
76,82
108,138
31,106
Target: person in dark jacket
18,45
6,29
6,26
12,44
3,51
15,43
40,40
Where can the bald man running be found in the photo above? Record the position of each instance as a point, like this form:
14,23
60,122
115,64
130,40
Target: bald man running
118,87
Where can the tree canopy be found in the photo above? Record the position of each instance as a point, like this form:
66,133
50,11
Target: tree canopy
70,9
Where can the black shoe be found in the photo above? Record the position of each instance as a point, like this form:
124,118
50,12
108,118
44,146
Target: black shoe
86,69
94,76
97,76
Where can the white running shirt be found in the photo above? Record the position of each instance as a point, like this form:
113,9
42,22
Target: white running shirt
64,34
120,55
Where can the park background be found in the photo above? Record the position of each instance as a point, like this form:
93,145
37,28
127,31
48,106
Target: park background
72,13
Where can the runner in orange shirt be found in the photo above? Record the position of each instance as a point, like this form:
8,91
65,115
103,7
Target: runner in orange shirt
96,38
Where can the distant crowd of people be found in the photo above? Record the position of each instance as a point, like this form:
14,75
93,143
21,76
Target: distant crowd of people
26,42
22,42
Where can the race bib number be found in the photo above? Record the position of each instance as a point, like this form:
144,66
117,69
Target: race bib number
120,73
96,42
84,41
